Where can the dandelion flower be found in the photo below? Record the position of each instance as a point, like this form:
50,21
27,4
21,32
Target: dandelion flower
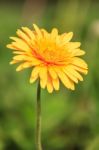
52,57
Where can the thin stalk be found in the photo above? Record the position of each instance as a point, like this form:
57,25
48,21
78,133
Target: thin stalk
38,125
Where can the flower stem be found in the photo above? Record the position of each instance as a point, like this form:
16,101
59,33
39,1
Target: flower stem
38,125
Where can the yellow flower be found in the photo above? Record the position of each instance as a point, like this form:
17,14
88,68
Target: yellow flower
52,57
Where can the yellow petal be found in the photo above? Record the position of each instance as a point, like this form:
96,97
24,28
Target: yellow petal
49,86
29,32
52,72
77,52
14,62
43,72
72,71
18,52
35,61
19,57
65,80
21,45
66,37
19,68
19,40
55,83
23,66
11,47
37,30
46,34
43,83
54,33
82,70
70,75
33,79
73,45
35,72
23,36
16,39
43,76
79,62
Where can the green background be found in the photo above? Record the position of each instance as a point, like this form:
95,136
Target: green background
70,120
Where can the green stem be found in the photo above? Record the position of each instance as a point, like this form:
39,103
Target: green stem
38,125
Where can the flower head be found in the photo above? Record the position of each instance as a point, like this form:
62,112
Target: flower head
53,57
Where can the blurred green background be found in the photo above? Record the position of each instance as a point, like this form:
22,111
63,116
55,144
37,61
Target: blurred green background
70,120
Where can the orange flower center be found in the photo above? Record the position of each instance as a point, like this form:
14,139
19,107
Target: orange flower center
52,57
